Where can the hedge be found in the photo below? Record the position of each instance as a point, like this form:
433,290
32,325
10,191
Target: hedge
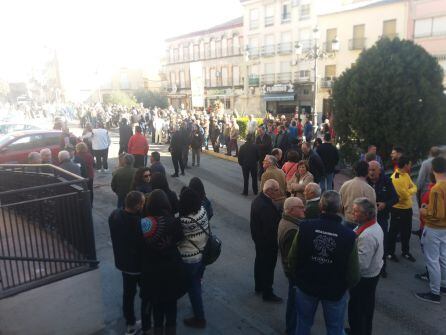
243,125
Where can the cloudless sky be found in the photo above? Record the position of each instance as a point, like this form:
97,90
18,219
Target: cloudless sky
98,35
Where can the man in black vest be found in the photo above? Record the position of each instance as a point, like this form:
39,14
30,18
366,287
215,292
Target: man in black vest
265,218
264,143
323,263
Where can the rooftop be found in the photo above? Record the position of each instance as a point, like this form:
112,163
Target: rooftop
238,22
359,5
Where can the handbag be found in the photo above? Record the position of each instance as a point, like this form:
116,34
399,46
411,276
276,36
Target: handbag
212,249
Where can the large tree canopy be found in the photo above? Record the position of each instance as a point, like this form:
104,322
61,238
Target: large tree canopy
393,95
151,99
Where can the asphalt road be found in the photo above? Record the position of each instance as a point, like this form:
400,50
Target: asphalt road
231,306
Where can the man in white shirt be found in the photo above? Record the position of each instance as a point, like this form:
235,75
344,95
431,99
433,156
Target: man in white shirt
100,141
370,242
252,125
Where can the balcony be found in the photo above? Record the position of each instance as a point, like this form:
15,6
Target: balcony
253,80
327,82
302,79
269,21
268,50
268,78
254,52
284,48
284,77
286,17
306,45
327,46
357,43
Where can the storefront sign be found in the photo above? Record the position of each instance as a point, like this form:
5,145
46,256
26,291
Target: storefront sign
220,92
197,84
278,88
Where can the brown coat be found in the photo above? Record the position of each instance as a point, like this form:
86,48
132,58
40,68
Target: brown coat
296,185
274,173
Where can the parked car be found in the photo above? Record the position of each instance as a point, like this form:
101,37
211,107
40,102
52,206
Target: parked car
9,127
15,147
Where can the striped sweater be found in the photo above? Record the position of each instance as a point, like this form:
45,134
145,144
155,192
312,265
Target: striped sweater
192,232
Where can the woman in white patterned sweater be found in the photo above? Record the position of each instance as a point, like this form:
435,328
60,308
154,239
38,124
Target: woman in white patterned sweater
194,221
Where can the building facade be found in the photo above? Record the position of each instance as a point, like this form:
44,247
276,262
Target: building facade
217,53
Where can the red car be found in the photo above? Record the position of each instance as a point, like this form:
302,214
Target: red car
15,147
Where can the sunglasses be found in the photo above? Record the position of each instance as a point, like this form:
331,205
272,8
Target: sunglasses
147,176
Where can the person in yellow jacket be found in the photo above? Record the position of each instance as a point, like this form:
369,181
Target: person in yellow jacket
401,212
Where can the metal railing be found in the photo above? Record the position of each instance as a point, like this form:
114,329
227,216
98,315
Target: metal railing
46,227
357,44
284,77
284,48
253,80
268,78
326,83
268,50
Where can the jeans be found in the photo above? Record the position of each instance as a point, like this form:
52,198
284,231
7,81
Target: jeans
433,243
165,311
326,182
361,306
101,157
253,171
291,310
334,313
264,265
196,271
400,222
196,153
129,283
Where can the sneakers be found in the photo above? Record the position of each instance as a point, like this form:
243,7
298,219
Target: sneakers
393,258
423,276
133,329
174,175
428,297
409,257
193,322
182,173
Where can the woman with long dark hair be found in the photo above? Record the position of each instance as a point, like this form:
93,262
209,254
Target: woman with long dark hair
197,185
141,181
193,218
159,182
164,277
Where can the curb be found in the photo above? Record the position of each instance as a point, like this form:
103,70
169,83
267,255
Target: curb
221,156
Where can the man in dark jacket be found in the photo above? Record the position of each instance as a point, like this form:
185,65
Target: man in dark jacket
176,150
248,157
312,194
386,197
330,157
124,227
317,168
264,143
264,222
125,132
122,179
323,263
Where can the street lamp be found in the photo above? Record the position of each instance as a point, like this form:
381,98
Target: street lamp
314,54
246,78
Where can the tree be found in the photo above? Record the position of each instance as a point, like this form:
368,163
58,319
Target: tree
119,98
392,95
151,99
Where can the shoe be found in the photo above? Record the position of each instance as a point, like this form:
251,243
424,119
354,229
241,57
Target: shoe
245,194
106,170
428,297
443,290
193,322
392,258
383,273
409,257
133,329
182,173
416,232
175,175
423,276
272,298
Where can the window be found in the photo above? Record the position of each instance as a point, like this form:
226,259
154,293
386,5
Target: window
330,36
286,12
218,48
227,104
207,51
171,55
253,46
304,12
269,68
253,18
269,15
202,52
435,26
304,73
26,143
186,53
175,55
358,41
230,47
254,70
182,80
236,45
213,78
224,76
285,68
236,75
224,47
173,79
330,72
213,51
269,45
181,56
285,42
389,28
50,140
196,52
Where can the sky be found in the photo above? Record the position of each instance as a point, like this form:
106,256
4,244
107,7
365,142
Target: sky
94,37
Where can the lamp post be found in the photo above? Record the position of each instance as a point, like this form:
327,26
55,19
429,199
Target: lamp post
314,54
246,78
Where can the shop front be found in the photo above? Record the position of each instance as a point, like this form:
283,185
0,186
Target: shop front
224,97
280,99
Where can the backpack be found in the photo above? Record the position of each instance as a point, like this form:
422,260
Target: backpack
212,249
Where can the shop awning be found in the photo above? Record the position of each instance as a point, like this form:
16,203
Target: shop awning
279,97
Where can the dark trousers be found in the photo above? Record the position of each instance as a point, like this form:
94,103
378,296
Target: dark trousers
232,145
400,222
165,314
291,310
123,148
362,306
177,159
101,157
130,283
90,188
146,314
253,171
384,223
139,161
185,156
259,175
264,265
